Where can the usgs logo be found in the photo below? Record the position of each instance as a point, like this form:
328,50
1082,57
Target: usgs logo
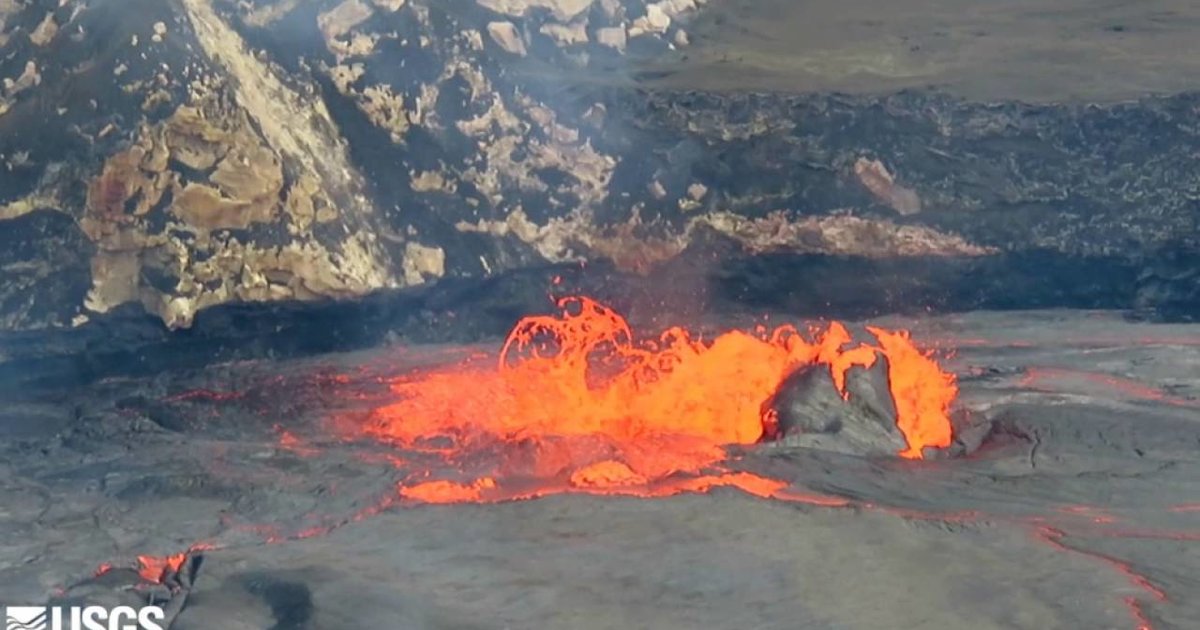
86,618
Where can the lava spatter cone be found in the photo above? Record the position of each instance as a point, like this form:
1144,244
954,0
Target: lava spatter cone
578,403
880,398
811,412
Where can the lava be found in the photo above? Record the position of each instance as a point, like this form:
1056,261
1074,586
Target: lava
204,395
288,441
578,404
1056,538
154,568
922,393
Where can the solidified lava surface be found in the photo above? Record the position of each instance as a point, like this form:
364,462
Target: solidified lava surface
1071,500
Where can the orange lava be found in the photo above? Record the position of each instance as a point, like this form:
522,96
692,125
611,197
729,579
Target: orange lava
154,568
579,405
922,392
448,491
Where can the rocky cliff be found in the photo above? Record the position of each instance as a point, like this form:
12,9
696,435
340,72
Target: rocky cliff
184,154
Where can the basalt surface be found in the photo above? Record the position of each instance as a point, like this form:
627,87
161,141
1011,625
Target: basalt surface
1078,509
178,156
226,228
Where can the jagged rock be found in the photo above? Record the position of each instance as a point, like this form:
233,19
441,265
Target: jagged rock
389,5
45,31
811,412
876,178
506,36
346,15
656,20
181,190
566,34
612,36
213,151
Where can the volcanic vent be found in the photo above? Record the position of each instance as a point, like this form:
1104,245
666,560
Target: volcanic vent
591,457
261,261
579,403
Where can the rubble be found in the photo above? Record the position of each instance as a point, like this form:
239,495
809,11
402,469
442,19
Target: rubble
45,31
506,36
422,263
841,234
656,20
566,34
876,178
612,36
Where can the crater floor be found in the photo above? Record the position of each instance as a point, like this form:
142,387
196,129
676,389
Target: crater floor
1023,50
1080,510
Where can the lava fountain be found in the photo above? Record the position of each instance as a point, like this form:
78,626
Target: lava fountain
579,404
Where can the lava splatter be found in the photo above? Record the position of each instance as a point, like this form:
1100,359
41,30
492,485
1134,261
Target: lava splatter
579,404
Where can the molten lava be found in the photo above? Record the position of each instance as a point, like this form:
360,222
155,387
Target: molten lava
578,404
154,568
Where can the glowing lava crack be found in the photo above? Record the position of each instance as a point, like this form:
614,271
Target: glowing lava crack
578,404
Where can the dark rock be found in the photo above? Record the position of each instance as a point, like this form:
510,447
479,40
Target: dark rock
33,421
812,413
1169,285
203,153
43,270
971,430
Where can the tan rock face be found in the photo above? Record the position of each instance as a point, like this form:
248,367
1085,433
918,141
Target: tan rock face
385,109
389,5
30,77
203,172
613,37
7,9
343,17
631,249
242,187
506,37
839,234
246,177
877,179
249,190
566,34
45,31
423,263
259,17
337,27
656,20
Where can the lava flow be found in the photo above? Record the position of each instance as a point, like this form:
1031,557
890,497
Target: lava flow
154,568
578,404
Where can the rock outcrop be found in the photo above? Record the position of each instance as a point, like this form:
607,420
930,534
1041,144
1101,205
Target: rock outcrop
183,155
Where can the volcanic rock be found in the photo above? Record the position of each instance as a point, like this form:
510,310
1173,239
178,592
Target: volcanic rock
210,152
876,178
563,10
506,36
612,36
811,413
656,20
1082,523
